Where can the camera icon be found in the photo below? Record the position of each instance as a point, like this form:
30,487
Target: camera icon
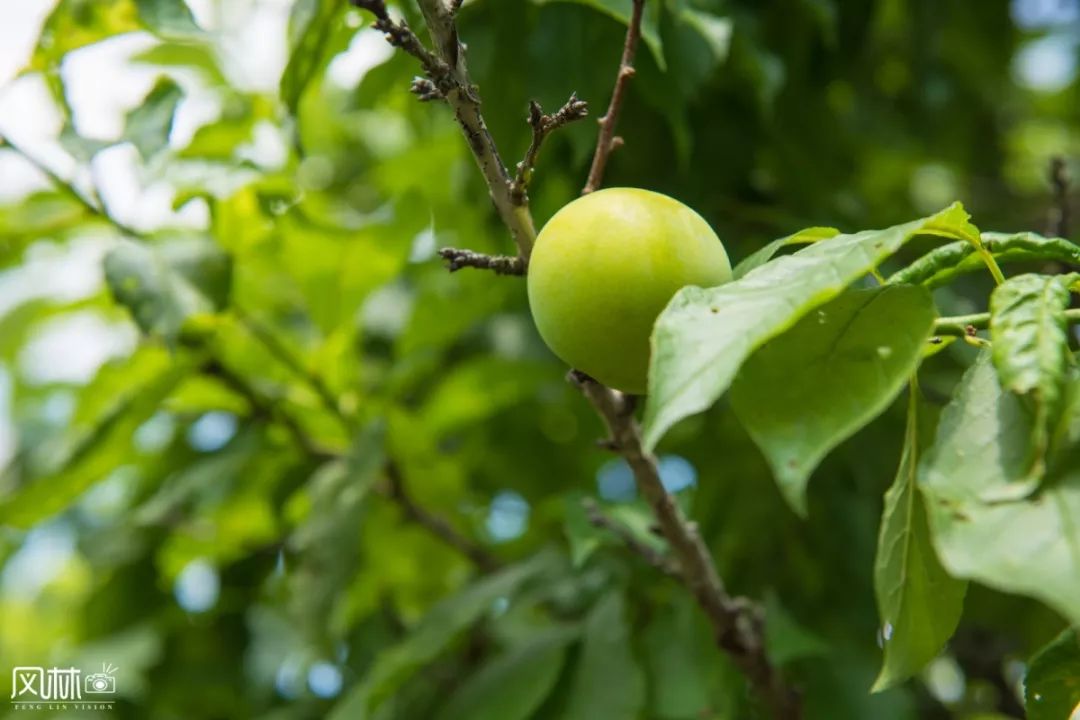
100,684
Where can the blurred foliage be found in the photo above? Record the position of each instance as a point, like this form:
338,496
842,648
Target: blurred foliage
213,502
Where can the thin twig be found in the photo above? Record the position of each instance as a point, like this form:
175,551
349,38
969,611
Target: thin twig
607,141
401,36
650,555
738,625
446,69
1058,222
543,125
438,526
961,325
457,259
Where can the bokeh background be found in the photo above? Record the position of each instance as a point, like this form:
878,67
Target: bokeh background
200,494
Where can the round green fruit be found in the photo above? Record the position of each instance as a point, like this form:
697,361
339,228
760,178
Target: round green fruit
605,266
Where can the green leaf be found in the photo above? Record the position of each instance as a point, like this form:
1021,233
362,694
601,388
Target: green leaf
1029,546
169,18
148,125
34,217
433,635
165,285
310,28
474,391
1052,685
681,659
943,264
704,335
76,23
583,537
620,11
785,639
607,683
514,684
808,390
918,602
119,399
765,254
1029,332
196,56
327,557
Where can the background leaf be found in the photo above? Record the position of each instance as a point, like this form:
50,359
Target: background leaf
167,284
607,682
439,628
148,125
512,685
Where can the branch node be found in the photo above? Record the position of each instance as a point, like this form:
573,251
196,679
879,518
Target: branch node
457,258
652,556
426,90
542,125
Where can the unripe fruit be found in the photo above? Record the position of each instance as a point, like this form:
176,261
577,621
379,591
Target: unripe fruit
605,266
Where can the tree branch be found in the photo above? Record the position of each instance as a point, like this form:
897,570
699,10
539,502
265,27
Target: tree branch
436,525
1058,223
964,325
650,555
738,625
446,69
607,141
543,125
499,264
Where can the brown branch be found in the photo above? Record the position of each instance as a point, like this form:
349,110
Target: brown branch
650,555
436,525
738,625
542,126
499,264
401,36
446,69
1058,222
607,141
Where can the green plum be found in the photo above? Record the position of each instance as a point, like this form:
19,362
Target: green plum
603,268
